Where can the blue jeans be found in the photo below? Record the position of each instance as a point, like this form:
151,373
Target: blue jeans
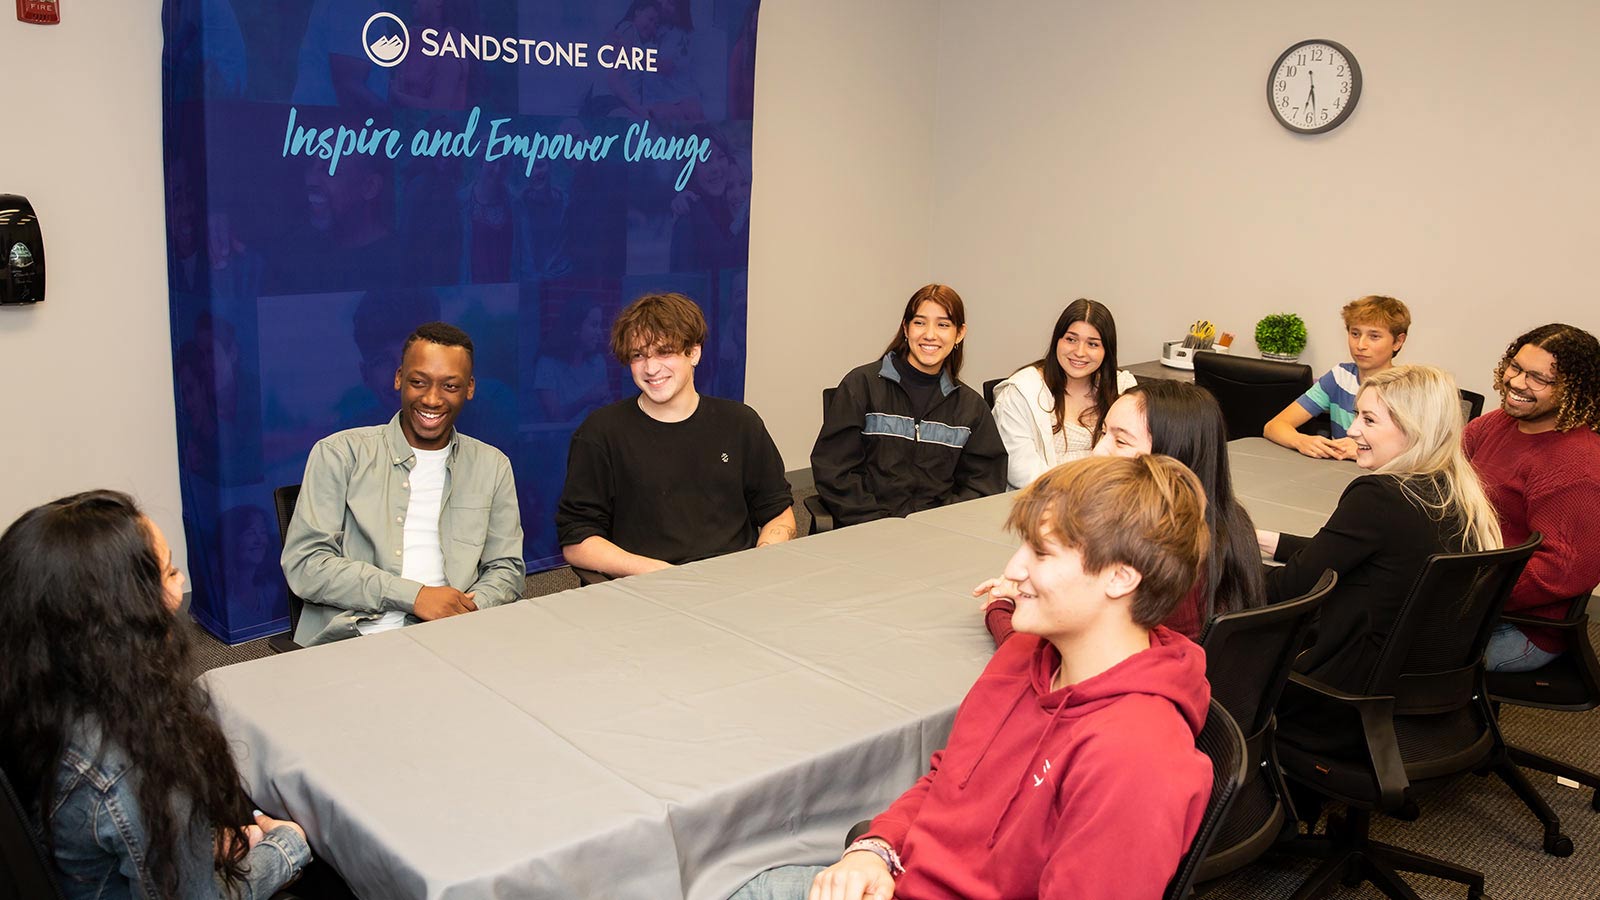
1510,651
782,883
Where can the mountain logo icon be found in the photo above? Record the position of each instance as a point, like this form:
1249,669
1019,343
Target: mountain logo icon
385,39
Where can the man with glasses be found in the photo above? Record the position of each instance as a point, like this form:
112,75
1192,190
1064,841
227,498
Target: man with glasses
669,476
1539,458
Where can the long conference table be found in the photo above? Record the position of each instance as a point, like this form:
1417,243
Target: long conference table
661,736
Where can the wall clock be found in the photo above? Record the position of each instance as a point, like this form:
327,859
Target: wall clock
1314,86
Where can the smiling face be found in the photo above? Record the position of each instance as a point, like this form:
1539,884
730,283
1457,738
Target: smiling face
435,382
1080,351
930,336
1378,437
1373,346
171,578
665,377
1127,429
1056,599
1530,389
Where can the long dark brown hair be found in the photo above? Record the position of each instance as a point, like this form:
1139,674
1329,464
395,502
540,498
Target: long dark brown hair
87,639
950,301
1186,424
1104,380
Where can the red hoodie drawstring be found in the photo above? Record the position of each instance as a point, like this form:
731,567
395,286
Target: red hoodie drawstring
1027,772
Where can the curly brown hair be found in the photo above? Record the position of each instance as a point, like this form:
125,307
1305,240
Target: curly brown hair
1577,356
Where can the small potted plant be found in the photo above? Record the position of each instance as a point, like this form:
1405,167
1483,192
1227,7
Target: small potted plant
1281,336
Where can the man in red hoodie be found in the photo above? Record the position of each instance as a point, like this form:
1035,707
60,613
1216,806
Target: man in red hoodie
1538,456
1071,770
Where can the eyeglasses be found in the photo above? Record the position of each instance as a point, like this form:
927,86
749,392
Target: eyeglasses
1534,380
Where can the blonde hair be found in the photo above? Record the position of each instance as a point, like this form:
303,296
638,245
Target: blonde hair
1426,405
1377,309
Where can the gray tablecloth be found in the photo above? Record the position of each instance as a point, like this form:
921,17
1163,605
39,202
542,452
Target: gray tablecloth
656,737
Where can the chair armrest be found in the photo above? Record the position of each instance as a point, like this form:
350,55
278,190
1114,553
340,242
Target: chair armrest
821,518
587,577
1579,624
1376,714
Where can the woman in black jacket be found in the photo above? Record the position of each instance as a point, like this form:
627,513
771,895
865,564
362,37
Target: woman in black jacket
1422,498
903,434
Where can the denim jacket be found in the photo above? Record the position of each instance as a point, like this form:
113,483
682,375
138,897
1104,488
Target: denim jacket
99,835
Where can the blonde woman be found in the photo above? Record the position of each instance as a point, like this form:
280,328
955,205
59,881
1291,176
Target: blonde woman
1422,497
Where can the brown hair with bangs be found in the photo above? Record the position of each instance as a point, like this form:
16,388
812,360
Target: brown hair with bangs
1147,512
670,323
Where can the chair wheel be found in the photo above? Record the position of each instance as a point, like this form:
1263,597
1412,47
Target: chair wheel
1594,800
1558,845
1408,812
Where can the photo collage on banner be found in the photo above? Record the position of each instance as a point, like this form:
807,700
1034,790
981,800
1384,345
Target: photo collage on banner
341,171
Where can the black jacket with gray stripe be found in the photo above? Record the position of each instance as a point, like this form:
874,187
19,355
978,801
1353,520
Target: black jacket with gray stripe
874,458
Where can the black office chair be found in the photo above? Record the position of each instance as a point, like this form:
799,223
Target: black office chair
1422,713
1220,740
587,577
1250,391
284,499
1471,404
1570,682
988,391
1248,658
821,515
25,872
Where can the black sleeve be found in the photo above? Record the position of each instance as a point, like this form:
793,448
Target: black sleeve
586,499
839,457
1353,534
766,490
981,468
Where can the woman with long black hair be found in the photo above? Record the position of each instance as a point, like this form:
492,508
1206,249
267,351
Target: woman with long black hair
105,735
1050,411
1184,422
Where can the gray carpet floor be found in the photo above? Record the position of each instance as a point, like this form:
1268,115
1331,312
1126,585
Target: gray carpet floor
1477,822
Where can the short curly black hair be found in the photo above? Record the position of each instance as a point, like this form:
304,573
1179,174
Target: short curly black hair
1577,356
441,333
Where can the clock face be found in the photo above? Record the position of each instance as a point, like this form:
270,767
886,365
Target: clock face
1314,86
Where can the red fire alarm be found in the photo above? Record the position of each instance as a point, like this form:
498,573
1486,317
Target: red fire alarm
39,12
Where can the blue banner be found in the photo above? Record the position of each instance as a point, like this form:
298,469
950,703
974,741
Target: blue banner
341,171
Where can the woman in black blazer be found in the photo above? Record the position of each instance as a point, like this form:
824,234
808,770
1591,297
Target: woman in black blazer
1422,498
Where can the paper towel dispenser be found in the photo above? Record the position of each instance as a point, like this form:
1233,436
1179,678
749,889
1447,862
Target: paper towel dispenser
21,252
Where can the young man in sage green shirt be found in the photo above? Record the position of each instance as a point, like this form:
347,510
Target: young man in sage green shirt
406,521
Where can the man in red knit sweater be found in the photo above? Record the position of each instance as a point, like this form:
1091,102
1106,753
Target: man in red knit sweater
1539,458
1071,769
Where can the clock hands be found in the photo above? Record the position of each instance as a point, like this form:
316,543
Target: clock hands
1311,97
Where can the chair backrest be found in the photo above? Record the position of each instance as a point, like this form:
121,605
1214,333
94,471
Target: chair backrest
1249,654
1432,659
1222,741
25,872
284,499
1250,391
1471,404
988,391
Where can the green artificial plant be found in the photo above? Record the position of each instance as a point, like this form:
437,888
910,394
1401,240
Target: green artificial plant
1283,334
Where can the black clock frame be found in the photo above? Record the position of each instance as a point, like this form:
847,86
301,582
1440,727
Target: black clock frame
1355,87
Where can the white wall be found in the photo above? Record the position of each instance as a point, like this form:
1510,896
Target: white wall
1026,153
1124,151
842,201
88,374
